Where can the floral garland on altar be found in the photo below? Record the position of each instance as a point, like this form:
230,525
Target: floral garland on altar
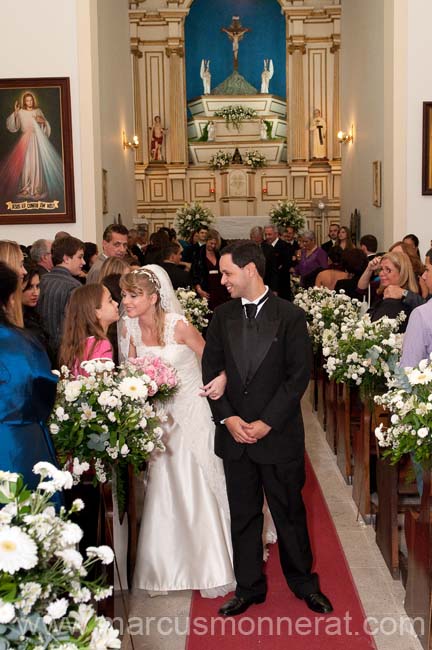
46,595
235,115
255,159
191,217
220,160
287,213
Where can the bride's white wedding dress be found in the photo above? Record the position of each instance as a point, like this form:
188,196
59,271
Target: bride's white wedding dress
184,540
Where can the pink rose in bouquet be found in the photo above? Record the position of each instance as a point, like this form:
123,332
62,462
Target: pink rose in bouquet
162,375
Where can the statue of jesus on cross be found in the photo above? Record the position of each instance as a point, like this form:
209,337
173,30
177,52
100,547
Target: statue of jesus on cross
235,33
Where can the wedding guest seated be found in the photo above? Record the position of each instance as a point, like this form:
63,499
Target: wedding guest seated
335,272
369,246
412,242
27,388
344,239
205,273
313,259
172,257
57,286
394,270
416,263
40,253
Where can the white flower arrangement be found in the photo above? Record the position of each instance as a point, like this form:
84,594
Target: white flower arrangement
287,213
220,160
191,217
255,159
326,309
235,115
45,591
107,419
195,308
363,353
409,399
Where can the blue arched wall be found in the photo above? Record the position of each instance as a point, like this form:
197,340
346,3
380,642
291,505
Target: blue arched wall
204,40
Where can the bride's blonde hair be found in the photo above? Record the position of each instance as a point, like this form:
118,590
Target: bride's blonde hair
145,281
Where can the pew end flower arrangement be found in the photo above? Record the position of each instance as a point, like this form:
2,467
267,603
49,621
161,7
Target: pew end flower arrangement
195,308
409,400
191,217
46,595
326,309
110,419
363,353
287,213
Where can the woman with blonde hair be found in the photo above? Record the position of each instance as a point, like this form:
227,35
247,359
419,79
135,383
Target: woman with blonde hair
113,266
395,270
12,255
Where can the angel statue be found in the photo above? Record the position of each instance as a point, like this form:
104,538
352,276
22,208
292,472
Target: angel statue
266,75
205,75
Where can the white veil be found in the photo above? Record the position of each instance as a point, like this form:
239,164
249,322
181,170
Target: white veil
169,303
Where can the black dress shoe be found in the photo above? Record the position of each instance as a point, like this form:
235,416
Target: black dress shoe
238,605
317,602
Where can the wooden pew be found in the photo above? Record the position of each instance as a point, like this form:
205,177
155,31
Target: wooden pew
361,419
343,440
331,400
418,533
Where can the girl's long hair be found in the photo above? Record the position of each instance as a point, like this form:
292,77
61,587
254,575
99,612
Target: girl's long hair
144,281
80,323
11,254
9,282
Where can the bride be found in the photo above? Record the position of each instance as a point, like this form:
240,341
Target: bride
184,540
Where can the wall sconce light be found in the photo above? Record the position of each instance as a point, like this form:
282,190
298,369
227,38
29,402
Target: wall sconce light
264,190
212,190
131,144
345,137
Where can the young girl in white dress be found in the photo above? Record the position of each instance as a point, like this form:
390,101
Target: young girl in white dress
184,540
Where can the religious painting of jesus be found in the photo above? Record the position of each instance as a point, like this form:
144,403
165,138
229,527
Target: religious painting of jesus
36,164
427,148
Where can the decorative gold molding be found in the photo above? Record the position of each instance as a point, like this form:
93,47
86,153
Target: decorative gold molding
296,45
135,51
176,50
336,43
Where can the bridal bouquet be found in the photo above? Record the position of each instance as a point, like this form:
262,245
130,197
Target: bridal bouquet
106,419
195,308
363,353
46,594
287,213
235,115
409,399
163,376
191,217
326,309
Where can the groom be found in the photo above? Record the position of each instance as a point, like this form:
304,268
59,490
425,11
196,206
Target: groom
262,343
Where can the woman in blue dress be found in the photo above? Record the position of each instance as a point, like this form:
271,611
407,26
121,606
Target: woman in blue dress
27,389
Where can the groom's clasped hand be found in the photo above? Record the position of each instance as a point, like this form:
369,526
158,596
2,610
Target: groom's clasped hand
246,432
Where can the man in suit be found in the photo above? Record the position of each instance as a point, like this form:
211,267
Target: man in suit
333,233
263,345
172,264
283,260
369,245
271,277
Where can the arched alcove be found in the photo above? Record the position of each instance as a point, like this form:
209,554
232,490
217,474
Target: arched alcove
204,40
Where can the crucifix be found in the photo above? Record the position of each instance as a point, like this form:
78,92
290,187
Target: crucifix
235,33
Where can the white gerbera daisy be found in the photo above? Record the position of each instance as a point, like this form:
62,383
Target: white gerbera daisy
17,550
7,612
133,387
103,553
58,608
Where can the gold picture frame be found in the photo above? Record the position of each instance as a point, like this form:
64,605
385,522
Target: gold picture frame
104,191
427,149
376,183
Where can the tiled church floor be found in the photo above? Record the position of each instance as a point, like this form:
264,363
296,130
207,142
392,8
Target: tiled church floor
382,597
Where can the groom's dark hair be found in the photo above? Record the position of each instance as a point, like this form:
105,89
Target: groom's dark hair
244,252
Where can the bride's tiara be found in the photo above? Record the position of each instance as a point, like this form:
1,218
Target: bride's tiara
150,275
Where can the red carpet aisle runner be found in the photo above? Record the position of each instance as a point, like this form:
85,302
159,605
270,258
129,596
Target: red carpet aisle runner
283,621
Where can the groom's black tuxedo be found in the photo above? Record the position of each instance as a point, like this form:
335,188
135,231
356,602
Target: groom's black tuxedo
264,382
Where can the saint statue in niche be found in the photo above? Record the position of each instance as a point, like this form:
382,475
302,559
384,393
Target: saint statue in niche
266,75
205,75
318,129
156,139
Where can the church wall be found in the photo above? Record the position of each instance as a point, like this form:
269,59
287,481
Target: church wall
419,89
116,109
362,105
45,46
204,40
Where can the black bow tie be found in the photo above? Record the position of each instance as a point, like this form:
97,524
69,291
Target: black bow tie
252,308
